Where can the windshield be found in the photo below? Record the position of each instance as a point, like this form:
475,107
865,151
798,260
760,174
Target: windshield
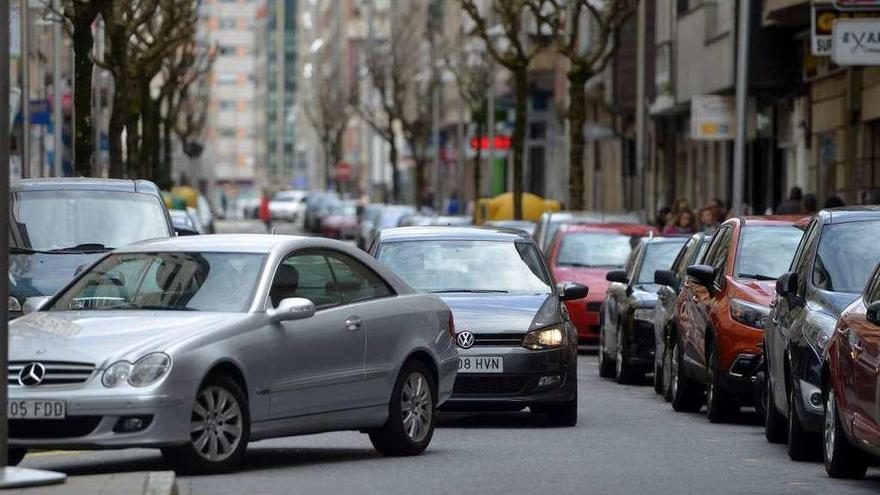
59,219
467,266
343,209
765,252
166,281
846,255
287,196
658,256
595,249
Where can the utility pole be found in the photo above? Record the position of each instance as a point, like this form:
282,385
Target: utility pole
24,17
459,128
742,96
434,26
641,127
280,103
57,117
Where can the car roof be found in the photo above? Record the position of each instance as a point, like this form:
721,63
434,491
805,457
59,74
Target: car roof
624,228
228,243
85,183
441,232
679,239
850,214
770,220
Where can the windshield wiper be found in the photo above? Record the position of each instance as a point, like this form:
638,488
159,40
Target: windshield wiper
89,247
755,276
574,263
149,307
22,250
471,291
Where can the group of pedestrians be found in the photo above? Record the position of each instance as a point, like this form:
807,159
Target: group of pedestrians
799,203
681,219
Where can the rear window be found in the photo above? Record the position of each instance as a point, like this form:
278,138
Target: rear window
765,251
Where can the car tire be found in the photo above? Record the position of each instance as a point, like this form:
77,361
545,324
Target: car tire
667,373
623,371
802,445
606,364
685,395
658,375
842,460
223,408
14,456
408,431
564,414
720,406
774,422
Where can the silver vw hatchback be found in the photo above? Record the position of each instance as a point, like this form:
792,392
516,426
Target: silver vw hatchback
199,345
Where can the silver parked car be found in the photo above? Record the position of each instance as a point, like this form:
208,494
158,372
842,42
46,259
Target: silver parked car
198,345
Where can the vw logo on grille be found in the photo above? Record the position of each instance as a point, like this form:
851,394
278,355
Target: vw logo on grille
32,375
465,339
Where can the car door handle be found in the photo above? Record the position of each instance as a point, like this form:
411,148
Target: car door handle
353,323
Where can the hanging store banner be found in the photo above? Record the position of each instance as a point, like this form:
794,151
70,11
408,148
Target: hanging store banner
856,42
822,24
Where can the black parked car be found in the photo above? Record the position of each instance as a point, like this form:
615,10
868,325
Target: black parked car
664,314
60,226
517,345
829,271
627,330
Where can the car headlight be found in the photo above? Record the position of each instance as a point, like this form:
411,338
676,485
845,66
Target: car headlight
644,314
147,370
116,374
545,338
748,313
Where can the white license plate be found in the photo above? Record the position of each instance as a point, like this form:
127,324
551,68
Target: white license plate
37,409
481,364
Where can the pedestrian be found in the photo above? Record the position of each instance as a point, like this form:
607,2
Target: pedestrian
809,205
833,201
678,206
663,217
792,205
708,220
719,207
683,223
264,213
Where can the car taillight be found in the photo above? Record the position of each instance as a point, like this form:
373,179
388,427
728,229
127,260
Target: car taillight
451,325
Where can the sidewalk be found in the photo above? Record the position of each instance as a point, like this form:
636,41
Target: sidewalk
140,483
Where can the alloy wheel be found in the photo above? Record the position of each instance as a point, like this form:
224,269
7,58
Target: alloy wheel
830,430
667,370
416,406
675,384
216,425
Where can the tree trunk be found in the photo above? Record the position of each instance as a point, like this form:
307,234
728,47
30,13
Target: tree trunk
521,88
577,117
114,134
82,95
421,195
163,178
395,173
478,172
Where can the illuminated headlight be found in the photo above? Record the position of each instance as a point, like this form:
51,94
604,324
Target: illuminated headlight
644,314
147,370
546,338
748,313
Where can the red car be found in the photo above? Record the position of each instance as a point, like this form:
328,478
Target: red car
585,253
341,221
851,387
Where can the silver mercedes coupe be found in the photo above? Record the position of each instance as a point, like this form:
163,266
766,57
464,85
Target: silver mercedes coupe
199,345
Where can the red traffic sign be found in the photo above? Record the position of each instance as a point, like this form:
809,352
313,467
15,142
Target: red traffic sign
502,142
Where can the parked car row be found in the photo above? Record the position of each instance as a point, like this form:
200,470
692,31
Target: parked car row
778,313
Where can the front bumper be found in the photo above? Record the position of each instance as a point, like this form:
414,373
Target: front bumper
641,347
92,414
586,318
520,385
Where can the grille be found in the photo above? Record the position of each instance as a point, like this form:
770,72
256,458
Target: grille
488,385
57,372
594,306
74,426
498,339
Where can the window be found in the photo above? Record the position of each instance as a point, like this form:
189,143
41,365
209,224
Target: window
658,256
765,252
846,253
716,257
595,249
355,281
305,275
630,265
680,264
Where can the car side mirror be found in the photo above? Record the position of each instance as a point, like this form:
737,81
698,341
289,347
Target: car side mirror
786,284
32,304
290,309
618,276
182,231
664,277
570,291
703,275
873,313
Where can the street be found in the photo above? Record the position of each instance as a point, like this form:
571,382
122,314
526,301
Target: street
627,441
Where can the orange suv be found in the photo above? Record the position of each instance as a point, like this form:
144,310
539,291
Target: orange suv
720,313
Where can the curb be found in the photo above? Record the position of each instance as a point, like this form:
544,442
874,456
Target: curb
160,483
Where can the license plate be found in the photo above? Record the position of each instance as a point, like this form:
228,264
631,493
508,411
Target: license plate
37,409
481,364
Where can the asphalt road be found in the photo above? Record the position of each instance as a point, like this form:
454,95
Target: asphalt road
627,441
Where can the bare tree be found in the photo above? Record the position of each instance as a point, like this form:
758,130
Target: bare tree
563,18
511,49
473,76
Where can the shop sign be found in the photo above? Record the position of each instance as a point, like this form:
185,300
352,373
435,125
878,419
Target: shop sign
713,118
856,42
822,24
